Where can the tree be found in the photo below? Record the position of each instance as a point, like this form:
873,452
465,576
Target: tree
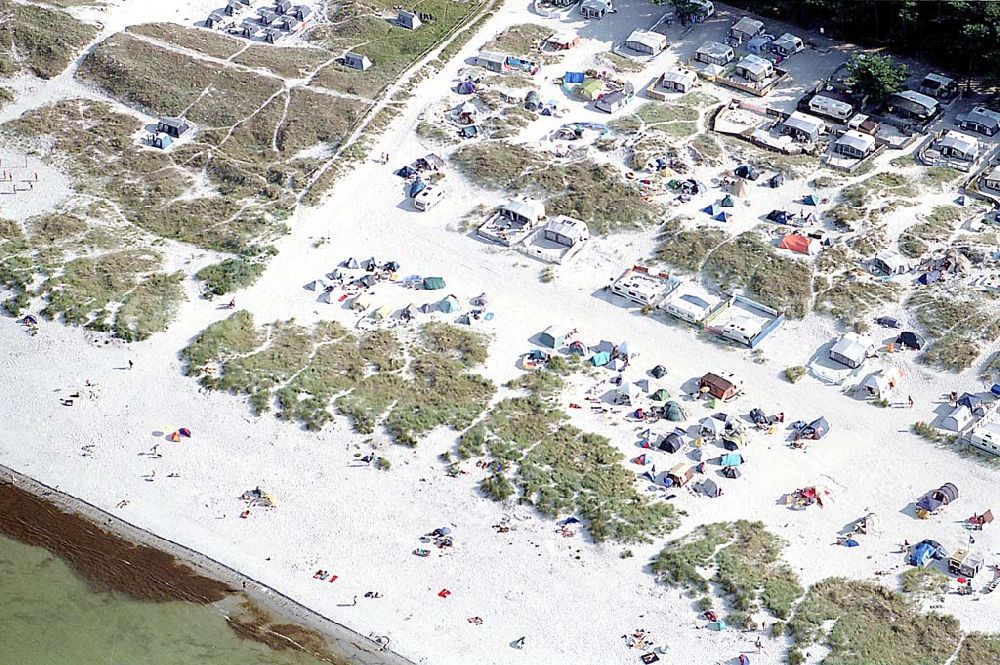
877,75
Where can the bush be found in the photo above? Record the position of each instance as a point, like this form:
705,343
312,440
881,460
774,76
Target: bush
498,487
793,374
779,629
383,464
626,554
796,657
230,275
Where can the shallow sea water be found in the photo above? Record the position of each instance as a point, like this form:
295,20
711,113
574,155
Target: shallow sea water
49,616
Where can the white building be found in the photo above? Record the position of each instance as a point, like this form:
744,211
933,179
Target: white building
854,144
646,42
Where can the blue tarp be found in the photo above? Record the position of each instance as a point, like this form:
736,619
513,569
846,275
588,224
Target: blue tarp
601,359
417,187
573,77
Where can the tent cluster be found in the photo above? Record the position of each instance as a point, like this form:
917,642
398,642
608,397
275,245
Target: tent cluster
430,162
934,500
176,435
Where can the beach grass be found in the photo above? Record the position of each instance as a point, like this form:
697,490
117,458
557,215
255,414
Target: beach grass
40,40
687,249
958,324
924,581
936,227
209,42
524,40
978,648
290,63
865,622
230,275
745,558
595,193
849,297
560,470
775,280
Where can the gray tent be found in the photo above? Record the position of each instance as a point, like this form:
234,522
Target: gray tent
673,412
351,263
708,488
731,472
671,443
427,308
334,275
315,285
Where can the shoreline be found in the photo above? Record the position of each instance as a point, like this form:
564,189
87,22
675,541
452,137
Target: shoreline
267,608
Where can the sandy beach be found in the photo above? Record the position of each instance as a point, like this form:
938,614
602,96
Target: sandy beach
572,599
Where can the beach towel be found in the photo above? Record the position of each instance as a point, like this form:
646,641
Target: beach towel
444,593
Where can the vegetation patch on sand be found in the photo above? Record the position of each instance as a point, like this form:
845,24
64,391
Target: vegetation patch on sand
687,248
524,40
375,378
937,227
39,40
209,42
745,558
542,461
775,280
864,622
597,194
958,323
851,295
367,27
977,649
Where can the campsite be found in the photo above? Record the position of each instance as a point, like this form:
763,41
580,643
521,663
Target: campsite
498,309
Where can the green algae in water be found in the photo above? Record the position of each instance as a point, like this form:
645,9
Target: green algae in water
49,616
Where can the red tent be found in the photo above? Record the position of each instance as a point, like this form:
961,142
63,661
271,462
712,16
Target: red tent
800,244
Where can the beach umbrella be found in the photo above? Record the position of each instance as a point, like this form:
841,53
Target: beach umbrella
184,431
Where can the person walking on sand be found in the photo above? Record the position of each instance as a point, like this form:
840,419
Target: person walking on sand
909,399
130,364
354,602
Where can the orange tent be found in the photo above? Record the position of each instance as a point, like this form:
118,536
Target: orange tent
175,437
800,244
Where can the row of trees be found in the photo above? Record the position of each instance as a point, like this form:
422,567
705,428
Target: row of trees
960,36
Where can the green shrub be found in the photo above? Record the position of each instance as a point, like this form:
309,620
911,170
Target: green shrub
793,374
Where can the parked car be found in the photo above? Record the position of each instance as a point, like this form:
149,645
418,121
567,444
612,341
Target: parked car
429,197
888,322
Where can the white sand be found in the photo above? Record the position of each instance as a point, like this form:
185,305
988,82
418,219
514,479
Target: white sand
570,598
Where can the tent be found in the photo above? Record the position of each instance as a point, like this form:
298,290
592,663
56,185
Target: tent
866,524
361,301
351,263
416,187
573,77
550,338
334,275
681,474
660,395
815,430
924,553
731,472
800,244
747,172
970,401
731,459
720,387
327,297
733,441
719,625
740,189
658,372
723,217
712,210
712,427
811,200
576,346
930,277
426,308
382,313
671,443
709,488
776,181
410,312
882,384
592,89
449,305
934,499
673,412
405,172
466,88
315,285
910,340
727,201
601,359
779,217
433,283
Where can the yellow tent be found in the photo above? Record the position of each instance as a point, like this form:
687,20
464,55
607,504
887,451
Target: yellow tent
592,89
383,312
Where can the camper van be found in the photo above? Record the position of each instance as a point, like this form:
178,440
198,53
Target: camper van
831,108
429,197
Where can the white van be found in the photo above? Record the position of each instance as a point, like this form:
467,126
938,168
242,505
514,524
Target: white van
428,197
831,108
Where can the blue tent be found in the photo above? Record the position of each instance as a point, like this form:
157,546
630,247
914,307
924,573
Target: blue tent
778,216
732,459
601,359
922,554
811,200
417,187
573,77
466,88
850,542
712,210
929,277
723,217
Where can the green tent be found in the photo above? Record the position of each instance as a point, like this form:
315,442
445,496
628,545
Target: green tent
601,359
660,395
727,201
674,412
592,89
433,283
